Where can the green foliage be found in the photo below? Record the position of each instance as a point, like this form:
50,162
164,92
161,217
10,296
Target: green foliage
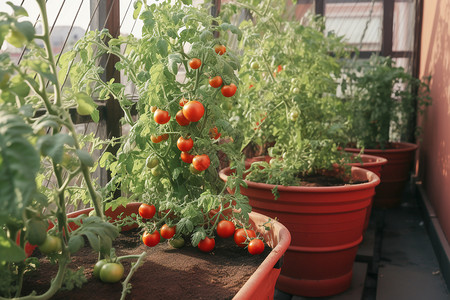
380,102
288,107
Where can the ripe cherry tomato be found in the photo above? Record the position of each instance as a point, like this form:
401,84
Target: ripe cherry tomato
151,239
156,139
255,247
215,82
181,119
195,63
201,162
185,144
111,272
214,133
207,244
240,237
167,232
147,211
183,101
229,90
186,157
220,49
225,229
280,68
193,111
164,137
161,116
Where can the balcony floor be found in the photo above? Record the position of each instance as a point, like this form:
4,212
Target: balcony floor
395,261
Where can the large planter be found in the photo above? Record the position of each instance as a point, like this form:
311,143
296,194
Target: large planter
261,284
326,225
395,173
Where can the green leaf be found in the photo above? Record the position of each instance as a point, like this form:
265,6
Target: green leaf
85,158
162,47
76,242
53,145
18,10
137,9
9,251
27,29
94,240
86,105
173,61
42,68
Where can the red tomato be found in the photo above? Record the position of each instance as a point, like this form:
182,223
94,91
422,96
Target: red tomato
215,82
161,116
183,101
185,144
156,139
214,133
201,162
240,237
186,157
181,119
220,49
229,90
151,239
207,244
147,211
280,68
195,63
255,247
225,229
164,137
193,111
167,232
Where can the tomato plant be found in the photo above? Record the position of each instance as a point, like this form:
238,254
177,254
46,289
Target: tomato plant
225,229
207,244
195,63
185,145
147,211
242,236
255,247
229,90
201,162
151,239
215,81
167,232
193,111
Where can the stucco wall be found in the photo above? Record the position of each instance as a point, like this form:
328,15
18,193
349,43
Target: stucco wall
434,152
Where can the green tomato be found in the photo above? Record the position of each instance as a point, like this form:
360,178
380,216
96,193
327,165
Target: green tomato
152,162
194,170
97,267
51,245
255,65
4,81
16,38
37,231
157,171
295,90
111,272
176,242
83,110
293,115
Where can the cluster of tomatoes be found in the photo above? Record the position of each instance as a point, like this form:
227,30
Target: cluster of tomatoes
225,229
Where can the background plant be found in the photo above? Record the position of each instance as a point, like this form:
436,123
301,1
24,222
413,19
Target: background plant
380,102
288,101
148,166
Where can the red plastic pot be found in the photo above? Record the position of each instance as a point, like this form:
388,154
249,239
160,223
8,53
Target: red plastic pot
326,225
371,163
261,284
394,174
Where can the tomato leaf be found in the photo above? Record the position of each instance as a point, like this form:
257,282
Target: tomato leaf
53,145
75,243
9,251
85,157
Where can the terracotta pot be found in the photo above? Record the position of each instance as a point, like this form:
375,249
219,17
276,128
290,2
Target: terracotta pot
326,224
395,173
371,163
261,284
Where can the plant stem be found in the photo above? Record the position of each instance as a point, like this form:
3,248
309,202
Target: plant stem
125,283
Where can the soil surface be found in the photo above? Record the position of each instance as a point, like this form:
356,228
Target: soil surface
167,273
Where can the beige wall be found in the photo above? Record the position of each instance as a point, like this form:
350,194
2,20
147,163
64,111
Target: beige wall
434,154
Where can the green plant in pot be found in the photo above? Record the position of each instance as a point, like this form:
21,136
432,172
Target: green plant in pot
288,105
169,160
42,158
380,102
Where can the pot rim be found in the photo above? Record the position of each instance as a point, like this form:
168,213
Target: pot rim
375,161
400,147
374,180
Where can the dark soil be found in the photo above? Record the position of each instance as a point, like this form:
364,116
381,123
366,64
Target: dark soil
167,273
